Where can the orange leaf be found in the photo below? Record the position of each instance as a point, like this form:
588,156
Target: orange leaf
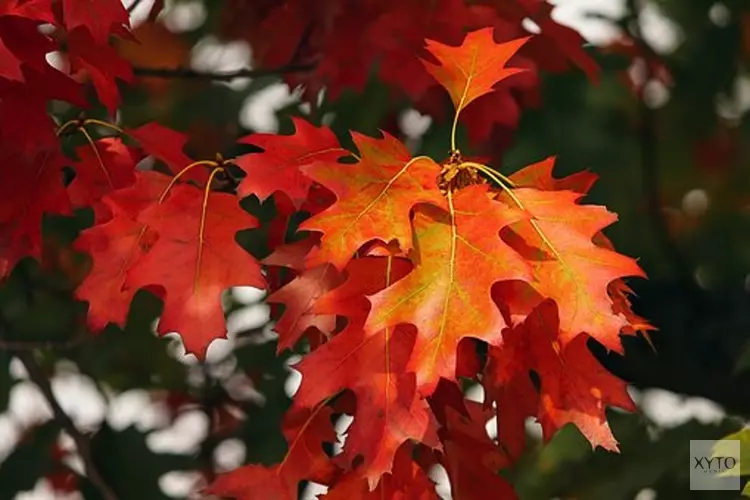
374,198
459,256
389,410
568,266
471,70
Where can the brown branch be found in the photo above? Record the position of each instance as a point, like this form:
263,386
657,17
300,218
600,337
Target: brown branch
134,6
83,445
189,73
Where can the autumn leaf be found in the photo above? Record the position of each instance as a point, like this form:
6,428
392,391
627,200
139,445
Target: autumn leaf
374,198
471,70
407,481
102,64
305,431
459,256
102,168
389,410
575,388
115,247
30,189
195,259
539,175
278,167
167,145
98,17
567,265
298,297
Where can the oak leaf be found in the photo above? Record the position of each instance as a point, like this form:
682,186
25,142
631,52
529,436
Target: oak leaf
305,431
374,198
278,167
567,265
102,168
115,247
574,387
459,256
195,259
98,17
389,410
471,70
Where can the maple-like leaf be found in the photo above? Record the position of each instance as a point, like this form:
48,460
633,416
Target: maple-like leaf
575,388
389,410
305,430
277,168
168,146
459,256
106,166
29,190
408,481
539,175
472,459
98,17
115,247
194,260
102,63
298,297
374,198
471,70
567,265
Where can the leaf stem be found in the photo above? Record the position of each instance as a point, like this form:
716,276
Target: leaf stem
98,155
486,168
206,163
101,123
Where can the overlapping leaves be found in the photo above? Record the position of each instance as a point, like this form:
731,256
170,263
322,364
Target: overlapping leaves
407,264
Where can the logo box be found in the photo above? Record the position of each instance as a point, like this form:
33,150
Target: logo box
715,465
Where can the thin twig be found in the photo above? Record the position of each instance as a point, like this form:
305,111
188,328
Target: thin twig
209,444
134,6
83,445
189,73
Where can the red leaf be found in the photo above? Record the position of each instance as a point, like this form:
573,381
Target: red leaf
195,259
100,171
115,247
277,168
575,388
386,180
168,146
102,63
305,431
447,295
30,189
98,17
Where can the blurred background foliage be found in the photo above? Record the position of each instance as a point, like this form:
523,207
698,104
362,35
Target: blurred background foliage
667,132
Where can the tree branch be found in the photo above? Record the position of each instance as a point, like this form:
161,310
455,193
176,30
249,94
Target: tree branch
189,73
134,6
37,375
